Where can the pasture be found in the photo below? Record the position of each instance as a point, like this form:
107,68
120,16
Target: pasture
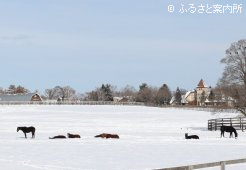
150,138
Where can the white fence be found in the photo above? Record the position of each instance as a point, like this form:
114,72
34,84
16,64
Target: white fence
69,103
221,164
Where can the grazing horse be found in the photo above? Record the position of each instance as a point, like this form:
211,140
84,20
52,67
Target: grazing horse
69,135
58,137
27,130
229,129
191,136
106,135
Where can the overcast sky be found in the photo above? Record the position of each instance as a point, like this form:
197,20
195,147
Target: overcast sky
84,43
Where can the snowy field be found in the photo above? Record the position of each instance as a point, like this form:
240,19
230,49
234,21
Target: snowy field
150,138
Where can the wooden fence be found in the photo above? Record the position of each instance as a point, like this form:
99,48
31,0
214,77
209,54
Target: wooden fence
78,102
238,123
222,165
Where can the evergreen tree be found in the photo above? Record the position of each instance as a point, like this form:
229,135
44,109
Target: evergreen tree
106,91
178,97
211,96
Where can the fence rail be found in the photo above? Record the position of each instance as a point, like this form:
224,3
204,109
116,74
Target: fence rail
69,103
54,102
238,123
222,165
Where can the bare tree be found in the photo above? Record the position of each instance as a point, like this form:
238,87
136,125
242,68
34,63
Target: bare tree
49,94
234,74
235,61
129,92
163,95
1,90
146,94
53,93
91,96
66,92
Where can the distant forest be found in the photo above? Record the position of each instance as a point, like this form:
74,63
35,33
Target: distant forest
106,92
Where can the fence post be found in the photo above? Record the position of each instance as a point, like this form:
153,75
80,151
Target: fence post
222,122
215,125
222,165
209,125
242,125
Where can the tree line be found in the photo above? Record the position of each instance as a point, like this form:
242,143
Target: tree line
146,93
106,92
231,85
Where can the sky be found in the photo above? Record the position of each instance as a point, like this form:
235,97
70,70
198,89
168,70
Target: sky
87,43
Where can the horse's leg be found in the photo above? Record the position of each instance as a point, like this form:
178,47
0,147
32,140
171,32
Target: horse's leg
222,134
25,135
33,134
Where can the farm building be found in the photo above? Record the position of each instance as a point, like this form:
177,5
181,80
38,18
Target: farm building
28,97
195,97
203,95
121,99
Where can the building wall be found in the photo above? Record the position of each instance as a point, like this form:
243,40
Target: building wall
191,97
200,91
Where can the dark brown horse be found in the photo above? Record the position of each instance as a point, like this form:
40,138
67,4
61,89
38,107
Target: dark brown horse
191,136
27,130
69,135
58,137
107,135
229,129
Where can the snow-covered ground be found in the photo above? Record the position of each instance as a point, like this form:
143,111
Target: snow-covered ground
150,138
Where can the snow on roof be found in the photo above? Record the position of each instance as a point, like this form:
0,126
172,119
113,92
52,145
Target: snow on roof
183,99
17,97
172,100
188,93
